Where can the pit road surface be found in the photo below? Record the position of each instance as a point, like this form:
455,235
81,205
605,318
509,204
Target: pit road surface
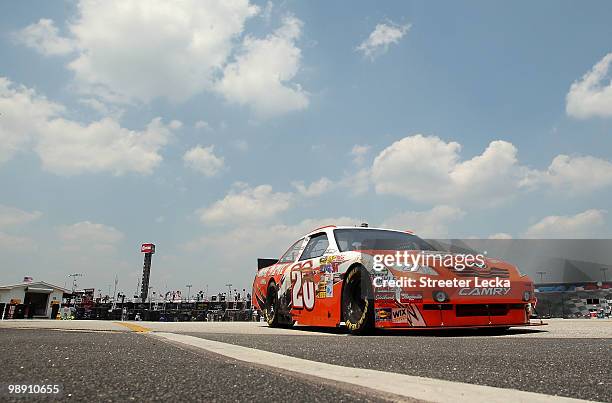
109,361
105,366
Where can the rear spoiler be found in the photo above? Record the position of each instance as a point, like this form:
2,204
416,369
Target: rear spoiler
262,263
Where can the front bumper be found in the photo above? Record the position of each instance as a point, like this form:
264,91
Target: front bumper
448,315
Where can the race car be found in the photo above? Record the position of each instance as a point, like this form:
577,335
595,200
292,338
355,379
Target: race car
364,278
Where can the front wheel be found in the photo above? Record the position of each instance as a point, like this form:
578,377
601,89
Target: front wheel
271,306
357,303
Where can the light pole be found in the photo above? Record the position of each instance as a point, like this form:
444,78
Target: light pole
74,277
115,289
188,291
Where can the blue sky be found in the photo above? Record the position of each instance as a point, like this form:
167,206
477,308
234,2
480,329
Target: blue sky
470,119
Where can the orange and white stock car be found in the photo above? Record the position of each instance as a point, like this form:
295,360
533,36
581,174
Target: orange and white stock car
365,278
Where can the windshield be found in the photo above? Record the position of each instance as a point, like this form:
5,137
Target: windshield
377,239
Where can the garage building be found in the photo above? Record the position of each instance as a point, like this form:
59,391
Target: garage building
36,299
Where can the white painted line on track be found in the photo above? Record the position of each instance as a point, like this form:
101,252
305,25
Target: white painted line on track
415,387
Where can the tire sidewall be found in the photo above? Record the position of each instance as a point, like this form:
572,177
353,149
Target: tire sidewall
365,323
272,320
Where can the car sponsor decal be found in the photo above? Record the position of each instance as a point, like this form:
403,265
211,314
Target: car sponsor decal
411,296
329,289
385,296
409,315
399,315
325,286
331,259
322,289
329,264
383,314
414,316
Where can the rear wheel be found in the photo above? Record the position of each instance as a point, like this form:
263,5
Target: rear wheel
271,305
357,304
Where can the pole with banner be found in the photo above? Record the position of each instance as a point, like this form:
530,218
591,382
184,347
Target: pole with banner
148,249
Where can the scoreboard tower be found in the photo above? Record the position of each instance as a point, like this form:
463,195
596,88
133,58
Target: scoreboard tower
148,249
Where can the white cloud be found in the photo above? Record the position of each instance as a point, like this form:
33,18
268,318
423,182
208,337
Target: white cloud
204,160
359,152
44,37
246,204
427,169
67,147
87,236
120,43
431,223
201,124
12,216
13,243
575,175
102,108
315,189
358,182
266,14
23,114
117,46
379,40
239,247
592,95
262,71
500,235
582,225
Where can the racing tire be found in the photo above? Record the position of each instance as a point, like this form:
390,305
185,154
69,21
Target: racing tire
357,303
288,325
271,306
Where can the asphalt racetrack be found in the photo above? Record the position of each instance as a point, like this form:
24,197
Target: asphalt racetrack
196,361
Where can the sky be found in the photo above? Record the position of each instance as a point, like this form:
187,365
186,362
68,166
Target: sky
223,130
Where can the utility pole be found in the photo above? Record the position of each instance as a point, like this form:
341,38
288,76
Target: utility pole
188,291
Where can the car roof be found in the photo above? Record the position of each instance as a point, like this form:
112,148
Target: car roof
355,227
